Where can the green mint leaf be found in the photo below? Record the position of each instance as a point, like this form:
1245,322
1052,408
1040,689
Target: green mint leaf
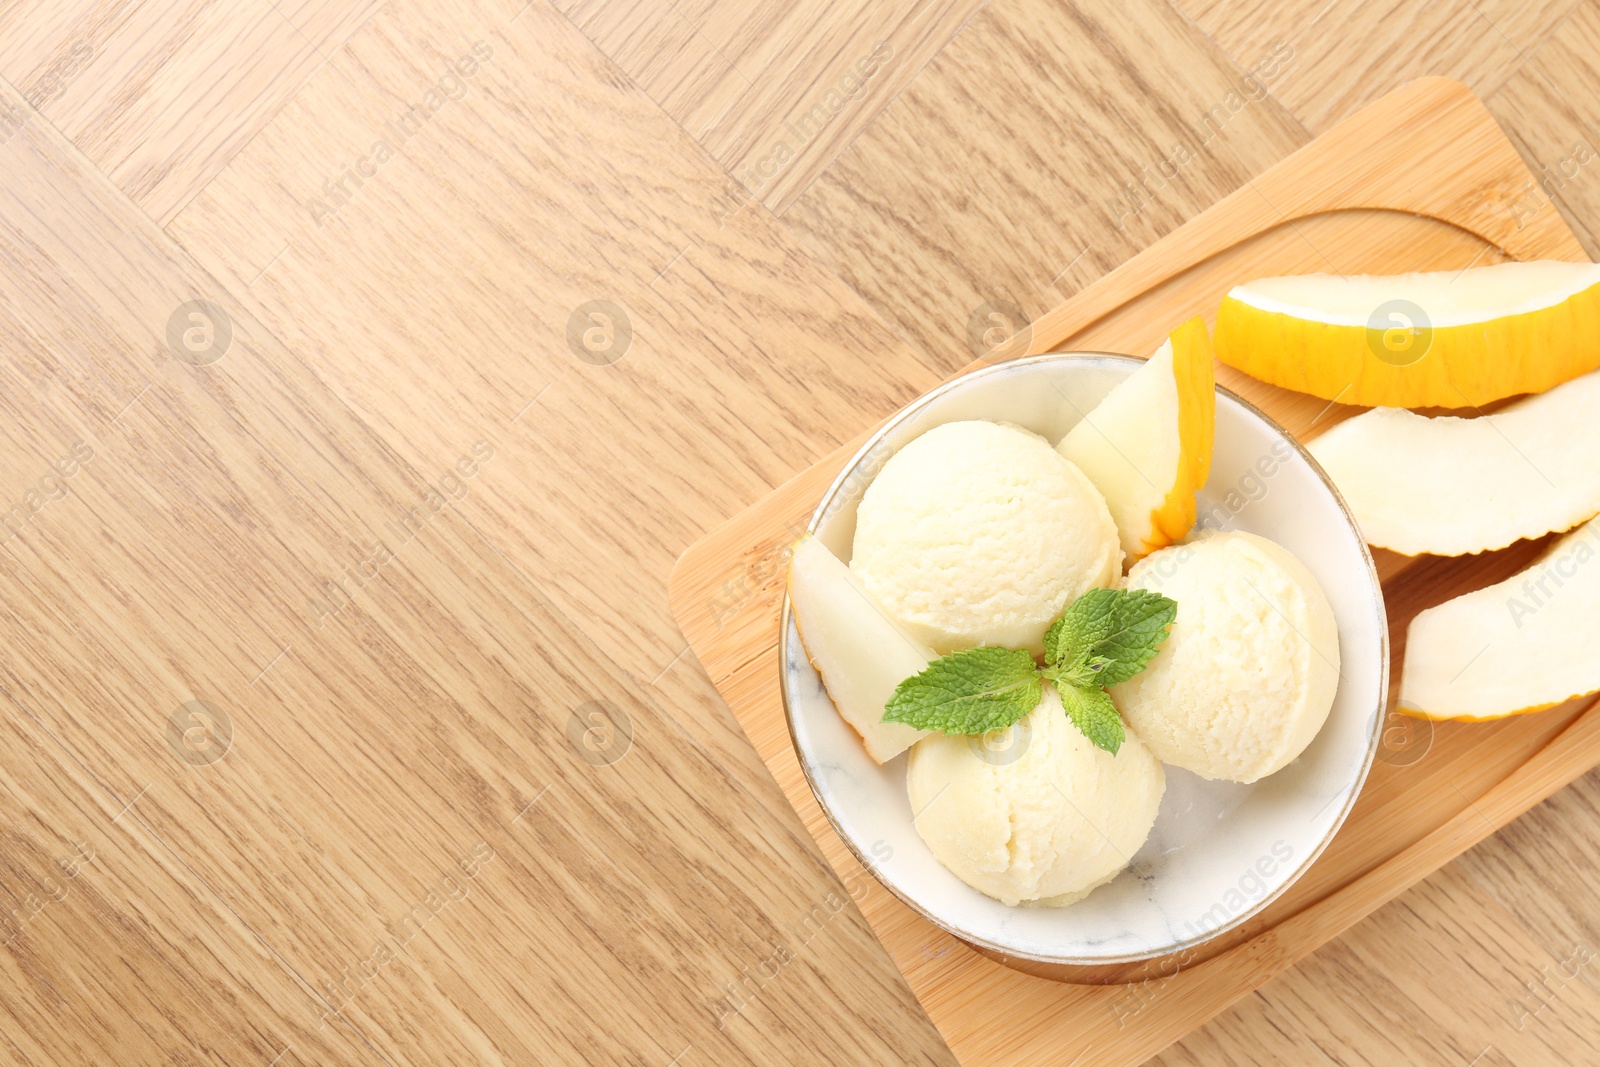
1140,621
1104,638
969,692
1084,671
1085,622
1107,636
1091,711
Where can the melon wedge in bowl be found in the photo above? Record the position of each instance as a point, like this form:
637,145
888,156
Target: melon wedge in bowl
858,650
1147,445
1164,908
1449,339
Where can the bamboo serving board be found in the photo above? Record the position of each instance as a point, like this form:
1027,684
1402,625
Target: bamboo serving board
1423,179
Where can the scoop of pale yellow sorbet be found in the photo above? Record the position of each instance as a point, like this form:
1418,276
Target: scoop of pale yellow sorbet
1247,676
979,533
1034,814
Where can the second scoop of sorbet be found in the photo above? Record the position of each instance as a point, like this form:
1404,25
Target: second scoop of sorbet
979,533
1034,813
1248,674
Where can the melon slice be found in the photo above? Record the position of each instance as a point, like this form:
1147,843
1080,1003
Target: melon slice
1454,486
1527,644
1147,445
1450,339
860,652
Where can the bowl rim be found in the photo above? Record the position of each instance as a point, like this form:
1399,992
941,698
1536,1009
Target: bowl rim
1375,587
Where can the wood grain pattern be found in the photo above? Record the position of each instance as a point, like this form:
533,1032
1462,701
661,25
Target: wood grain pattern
592,511
1410,818
160,93
1545,108
1448,942
1413,1015
1423,949
397,714
598,156
774,92
1533,869
1076,172
1336,71
112,951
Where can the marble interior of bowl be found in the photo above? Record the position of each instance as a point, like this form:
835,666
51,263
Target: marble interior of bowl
1219,851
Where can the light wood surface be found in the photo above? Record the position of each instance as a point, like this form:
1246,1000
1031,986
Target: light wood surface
1349,198
401,682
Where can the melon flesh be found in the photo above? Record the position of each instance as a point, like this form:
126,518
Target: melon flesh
1451,486
1449,297
860,652
1147,446
1529,643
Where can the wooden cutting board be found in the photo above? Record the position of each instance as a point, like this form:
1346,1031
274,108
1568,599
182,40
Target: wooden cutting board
1423,179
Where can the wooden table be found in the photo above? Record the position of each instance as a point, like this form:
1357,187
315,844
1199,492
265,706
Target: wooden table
366,366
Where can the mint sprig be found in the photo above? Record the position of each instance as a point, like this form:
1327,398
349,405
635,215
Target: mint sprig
969,692
1091,711
1104,638
1108,635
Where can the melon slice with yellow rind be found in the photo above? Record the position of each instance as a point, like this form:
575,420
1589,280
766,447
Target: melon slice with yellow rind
860,652
1524,645
1450,486
1450,339
1147,446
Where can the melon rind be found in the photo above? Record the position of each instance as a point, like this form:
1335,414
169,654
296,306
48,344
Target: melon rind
1496,331
1147,446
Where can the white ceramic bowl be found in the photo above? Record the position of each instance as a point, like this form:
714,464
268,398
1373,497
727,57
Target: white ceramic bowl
1219,851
